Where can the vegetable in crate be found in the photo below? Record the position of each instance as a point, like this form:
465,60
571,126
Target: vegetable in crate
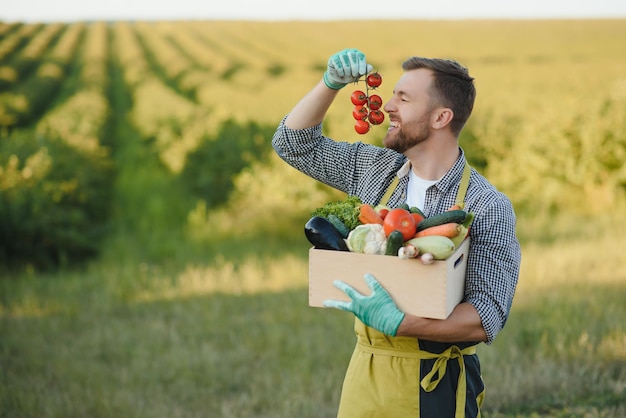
440,247
450,230
339,226
368,239
400,219
368,215
346,210
394,243
452,216
323,235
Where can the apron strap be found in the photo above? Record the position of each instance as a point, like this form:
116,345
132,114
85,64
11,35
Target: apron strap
460,195
429,383
434,376
387,196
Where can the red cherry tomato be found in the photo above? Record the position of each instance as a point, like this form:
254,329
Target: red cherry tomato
361,127
401,220
359,112
376,117
374,80
358,97
375,102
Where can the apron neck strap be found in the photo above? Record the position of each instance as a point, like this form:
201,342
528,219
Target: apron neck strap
387,196
460,195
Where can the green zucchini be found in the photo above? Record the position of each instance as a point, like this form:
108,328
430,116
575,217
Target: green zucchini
394,242
339,225
415,209
457,216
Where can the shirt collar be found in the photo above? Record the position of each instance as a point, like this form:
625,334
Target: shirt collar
404,170
452,177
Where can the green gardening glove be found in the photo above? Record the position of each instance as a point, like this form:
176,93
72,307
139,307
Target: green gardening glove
345,67
377,310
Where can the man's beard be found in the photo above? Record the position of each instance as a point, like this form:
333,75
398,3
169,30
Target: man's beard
402,141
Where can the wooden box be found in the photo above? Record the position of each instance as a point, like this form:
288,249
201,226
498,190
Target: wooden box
429,291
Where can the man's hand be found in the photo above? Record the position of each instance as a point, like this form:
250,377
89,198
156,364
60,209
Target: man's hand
345,67
377,310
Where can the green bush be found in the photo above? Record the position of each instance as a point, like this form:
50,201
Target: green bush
210,170
54,201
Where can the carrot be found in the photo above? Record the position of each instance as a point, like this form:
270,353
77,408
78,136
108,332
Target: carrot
368,215
455,207
449,230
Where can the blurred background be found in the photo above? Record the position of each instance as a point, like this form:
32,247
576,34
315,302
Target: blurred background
152,255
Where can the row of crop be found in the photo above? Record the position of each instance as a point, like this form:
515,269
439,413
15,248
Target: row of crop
56,178
208,56
199,55
166,118
25,60
204,61
27,100
80,119
6,28
205,147
176,66
16,39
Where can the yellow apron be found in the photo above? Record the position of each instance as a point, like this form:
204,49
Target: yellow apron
385,376
384,379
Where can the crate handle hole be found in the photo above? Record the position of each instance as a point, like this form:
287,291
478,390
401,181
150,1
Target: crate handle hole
458,260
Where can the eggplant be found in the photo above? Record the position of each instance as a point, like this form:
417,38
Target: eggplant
323,235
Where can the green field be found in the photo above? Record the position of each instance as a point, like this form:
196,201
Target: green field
180,291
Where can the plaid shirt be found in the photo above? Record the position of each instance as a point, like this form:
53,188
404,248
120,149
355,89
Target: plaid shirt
367,171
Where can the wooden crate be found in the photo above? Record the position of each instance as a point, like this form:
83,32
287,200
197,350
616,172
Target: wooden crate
429,291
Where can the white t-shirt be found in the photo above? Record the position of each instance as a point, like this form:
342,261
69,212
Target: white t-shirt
416,190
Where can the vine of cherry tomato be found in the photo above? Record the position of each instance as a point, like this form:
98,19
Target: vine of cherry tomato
367,106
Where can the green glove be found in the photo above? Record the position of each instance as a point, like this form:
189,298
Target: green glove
377,310
345,67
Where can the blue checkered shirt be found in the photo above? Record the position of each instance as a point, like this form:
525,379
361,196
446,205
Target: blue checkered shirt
367,171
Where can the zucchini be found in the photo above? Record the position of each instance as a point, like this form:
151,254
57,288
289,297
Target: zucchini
339,225
394,242
457,216
323,235
440,247
415,209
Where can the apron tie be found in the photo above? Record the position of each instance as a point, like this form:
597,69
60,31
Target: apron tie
439,368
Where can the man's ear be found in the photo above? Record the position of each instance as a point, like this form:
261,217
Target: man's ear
442,117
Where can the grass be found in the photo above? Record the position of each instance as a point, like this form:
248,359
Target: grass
234,337
82,348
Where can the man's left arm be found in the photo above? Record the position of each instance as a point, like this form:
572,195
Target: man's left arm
492,273
463,324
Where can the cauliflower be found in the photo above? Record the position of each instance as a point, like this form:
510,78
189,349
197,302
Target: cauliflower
367,239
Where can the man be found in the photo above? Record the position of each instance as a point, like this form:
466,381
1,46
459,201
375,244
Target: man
405,365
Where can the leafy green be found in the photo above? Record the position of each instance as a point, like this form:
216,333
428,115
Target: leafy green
347,210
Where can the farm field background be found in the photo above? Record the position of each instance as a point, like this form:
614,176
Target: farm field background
152,257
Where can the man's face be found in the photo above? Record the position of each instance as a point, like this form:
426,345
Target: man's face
410,111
